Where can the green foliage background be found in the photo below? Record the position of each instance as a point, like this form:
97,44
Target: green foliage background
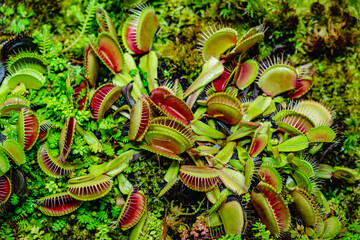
321,32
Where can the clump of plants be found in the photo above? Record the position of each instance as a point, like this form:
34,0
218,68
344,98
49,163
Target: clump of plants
238,137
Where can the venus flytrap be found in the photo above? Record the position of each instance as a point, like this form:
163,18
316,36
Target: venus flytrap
212,135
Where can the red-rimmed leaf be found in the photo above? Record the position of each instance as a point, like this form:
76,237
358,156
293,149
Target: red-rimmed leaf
5,190
50,165
28,128
129,36
13,102
147,26
221,82
257,145
260,140
305,81
66,138
272,208
44,133
140,119
133,210
103,98
271,176
302,87
87,190
58,204
139,30
171,105
199,178
246,73
109,51
225,106
80,90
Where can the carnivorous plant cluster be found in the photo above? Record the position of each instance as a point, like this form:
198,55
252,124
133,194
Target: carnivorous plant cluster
238,130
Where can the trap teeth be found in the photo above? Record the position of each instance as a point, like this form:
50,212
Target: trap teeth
226,107
58,204
139,30
214,42
88,190
103,98
109,52
28,128
133,210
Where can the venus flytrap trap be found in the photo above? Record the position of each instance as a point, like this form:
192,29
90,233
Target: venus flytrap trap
58,204
5,185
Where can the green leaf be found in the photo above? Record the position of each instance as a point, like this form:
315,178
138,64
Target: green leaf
21,10
43,39
148,64
212,69
108,150
14,199
124,185
233,180
294,144
173,170
9,11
